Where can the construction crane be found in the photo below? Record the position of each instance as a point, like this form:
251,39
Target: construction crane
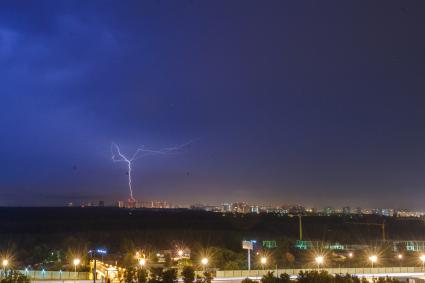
382,225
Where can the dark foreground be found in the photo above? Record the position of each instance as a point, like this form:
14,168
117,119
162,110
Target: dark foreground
50,235
161,226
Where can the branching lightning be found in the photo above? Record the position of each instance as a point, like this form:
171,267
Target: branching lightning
141,152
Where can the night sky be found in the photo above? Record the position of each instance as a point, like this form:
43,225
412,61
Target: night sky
312,102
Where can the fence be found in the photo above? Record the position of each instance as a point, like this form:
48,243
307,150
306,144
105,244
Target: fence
365,270
70,275
54,275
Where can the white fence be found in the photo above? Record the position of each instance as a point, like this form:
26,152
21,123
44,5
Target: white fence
365,270
53,275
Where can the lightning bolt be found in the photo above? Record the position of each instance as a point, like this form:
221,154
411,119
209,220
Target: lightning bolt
118,156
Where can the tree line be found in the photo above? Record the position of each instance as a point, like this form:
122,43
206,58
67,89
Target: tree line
161,275
13,276
318,277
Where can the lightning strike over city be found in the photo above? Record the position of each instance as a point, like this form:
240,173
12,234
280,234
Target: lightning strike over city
310,117
118,156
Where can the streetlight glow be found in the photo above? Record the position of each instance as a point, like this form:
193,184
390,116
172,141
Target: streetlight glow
373,259
142,262
5,263
422,258
319,260
76,262
204,261
263,261
180,253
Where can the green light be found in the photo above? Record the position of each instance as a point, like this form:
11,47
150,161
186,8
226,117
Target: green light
269,244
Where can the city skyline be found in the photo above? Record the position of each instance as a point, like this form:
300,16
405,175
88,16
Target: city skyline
253,207
295,102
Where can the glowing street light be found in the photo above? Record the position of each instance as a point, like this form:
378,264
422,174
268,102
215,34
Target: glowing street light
5,263
180,253
400,257
76,262
204,262
319,260
263,261
422,258
142,262
350,256
373,259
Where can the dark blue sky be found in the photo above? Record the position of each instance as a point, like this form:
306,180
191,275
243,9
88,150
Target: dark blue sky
315,102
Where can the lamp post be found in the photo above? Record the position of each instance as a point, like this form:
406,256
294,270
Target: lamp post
350,256
422,258
373,259
263,261
5,263
76,262
319,260
204,262
400,258
142,262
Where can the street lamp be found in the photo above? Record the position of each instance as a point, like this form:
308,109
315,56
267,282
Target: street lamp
76,262
400,257
319,260
180,253
263,261
5,263
373,259
142,262
204,262
350,256
422,258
